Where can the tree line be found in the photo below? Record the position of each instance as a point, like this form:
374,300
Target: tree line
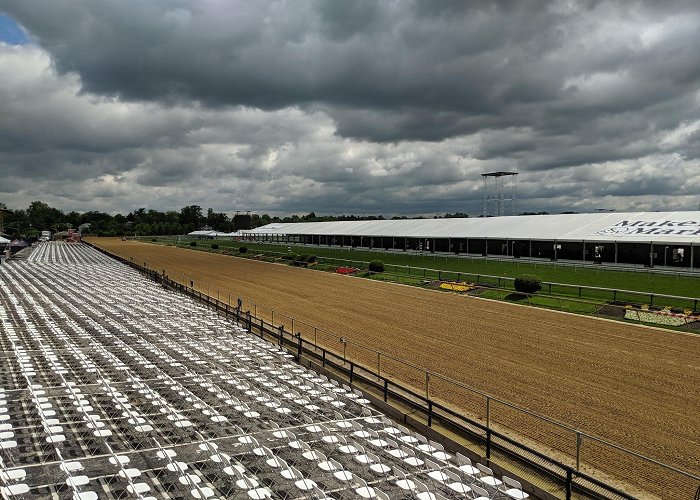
39,216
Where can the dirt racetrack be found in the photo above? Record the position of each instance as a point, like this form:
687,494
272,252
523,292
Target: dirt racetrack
635,386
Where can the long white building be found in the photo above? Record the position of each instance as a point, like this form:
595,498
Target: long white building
641,238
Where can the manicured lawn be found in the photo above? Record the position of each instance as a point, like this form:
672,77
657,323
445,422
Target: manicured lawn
436,267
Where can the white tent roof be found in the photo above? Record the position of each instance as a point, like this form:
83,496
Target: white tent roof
214,234
666,227
3,240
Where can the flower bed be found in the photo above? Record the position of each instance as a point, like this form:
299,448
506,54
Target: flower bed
456,286
660,317
346,270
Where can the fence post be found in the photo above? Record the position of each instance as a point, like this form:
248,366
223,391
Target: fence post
430,413
249,321
352,370
379,363
427,385
488,412
280,339
488,444
298,336
345,344
386,389
579,442
569,481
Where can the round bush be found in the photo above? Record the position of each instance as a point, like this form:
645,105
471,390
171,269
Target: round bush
153,239
376,266
242,249
214,246
193,243
528,283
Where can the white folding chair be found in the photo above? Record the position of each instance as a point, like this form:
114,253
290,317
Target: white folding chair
486,476
512,488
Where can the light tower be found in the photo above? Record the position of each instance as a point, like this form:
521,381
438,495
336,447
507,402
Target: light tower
498,194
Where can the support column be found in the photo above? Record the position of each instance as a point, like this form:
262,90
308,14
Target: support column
692,260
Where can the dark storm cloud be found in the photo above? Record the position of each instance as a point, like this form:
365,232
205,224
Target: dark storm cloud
319,104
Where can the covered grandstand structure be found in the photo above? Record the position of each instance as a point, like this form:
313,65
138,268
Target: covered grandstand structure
640,238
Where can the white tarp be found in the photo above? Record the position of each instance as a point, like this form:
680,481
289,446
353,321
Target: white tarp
666,227
214,234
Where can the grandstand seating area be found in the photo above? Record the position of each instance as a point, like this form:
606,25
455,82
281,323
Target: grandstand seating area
114,387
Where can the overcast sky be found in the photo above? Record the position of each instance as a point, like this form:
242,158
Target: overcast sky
349,106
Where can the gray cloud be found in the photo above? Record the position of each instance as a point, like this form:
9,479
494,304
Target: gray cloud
392,107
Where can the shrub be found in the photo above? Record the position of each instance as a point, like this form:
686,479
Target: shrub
242,249
528,283
193,243
214,246
306,257
376,266
153,239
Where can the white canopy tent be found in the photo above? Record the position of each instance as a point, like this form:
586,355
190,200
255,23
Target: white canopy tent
215,234
640,238
657,227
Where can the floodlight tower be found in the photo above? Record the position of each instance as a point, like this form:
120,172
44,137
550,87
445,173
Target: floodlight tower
499,193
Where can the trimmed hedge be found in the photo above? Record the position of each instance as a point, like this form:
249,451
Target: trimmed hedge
528,283
214,246
376,266
193,243
242,249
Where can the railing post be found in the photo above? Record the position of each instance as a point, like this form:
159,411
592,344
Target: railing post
488,444
569,482
298,336
379,363
427,385
488,412
430,413
579,442
386,389
352,370
280,339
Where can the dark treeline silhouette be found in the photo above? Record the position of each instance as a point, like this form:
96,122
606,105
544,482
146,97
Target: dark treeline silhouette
39,216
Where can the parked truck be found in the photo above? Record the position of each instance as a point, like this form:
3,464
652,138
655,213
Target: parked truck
45,236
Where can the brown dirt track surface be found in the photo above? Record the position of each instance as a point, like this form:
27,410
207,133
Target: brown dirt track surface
635,386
